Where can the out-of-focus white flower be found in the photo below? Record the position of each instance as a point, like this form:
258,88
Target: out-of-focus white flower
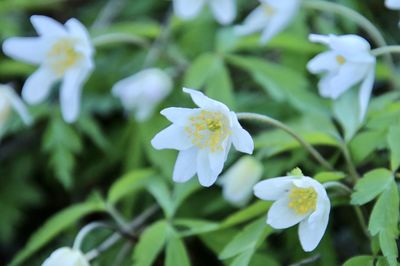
271,17
224,11
203,137
348,63
10,100
238,181
63,52
392,4
297,200
142,92
66,257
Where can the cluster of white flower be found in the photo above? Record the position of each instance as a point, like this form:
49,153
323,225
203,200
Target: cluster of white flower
203,135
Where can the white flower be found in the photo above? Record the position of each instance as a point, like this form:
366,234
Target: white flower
63,52
349,62
392,4
271,17
66,257
238,181
297,200
9,99
224,11
142,92
203,137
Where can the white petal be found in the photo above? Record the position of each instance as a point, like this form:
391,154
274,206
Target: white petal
19,107
354,48
365,92
187,9
311,233
206,175
203,101
254,22
392,4
70,93
217,160
172,137
280,216
324,85
37,86
144,111
319,38
178,115
325,61
28,49
77,29
224,10
47,26
241,139
273,188
66,257
185,166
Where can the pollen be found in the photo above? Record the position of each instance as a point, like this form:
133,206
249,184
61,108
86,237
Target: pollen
208,130
340,59
268,9
62,56
302,200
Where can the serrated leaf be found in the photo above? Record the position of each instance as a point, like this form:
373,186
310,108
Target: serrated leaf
371,185
360,261
387,241
129,183
54,226
161,192
393,140
176,254
90,127
323,177
252,211
151,243
196,226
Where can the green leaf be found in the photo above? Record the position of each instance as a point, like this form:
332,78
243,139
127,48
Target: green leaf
393,140
323,177
161,192
176,254
371,185
364,144
150,244
184,190
360,261
128,184
385,214
346,111
252,211
387,241
246,239
90,127
54,226
196,227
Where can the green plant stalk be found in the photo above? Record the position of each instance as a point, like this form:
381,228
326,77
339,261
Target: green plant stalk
270,121
386,50
359,19
113,38
350,165
84,232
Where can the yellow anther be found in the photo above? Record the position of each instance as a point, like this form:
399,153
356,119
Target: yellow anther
268,9
303,200
62,56
340,59
208,130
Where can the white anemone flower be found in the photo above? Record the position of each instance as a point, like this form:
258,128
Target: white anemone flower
270,17
224,11
348,63
300,200
63,52
203,137
66,257
142,92
237,183
392,4
10,100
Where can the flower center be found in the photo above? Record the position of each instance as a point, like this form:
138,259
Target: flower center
208,130
62,56
268,9
302,200
340,59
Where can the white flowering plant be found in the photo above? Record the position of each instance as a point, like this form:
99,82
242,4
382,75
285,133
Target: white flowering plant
199,132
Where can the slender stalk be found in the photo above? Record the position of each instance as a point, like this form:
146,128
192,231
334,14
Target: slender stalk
361,219
359,19
350,165
117,218
108,13
334,184
386,50
84,232
270,121
114,238
113,38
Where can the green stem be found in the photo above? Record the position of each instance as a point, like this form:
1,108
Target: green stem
113,38
359,19
84,232
270,121
334,184
386,50
361,219
350,165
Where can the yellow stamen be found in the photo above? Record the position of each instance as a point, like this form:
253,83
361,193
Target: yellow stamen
208,130
302,200
268,9
340,59
62,56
